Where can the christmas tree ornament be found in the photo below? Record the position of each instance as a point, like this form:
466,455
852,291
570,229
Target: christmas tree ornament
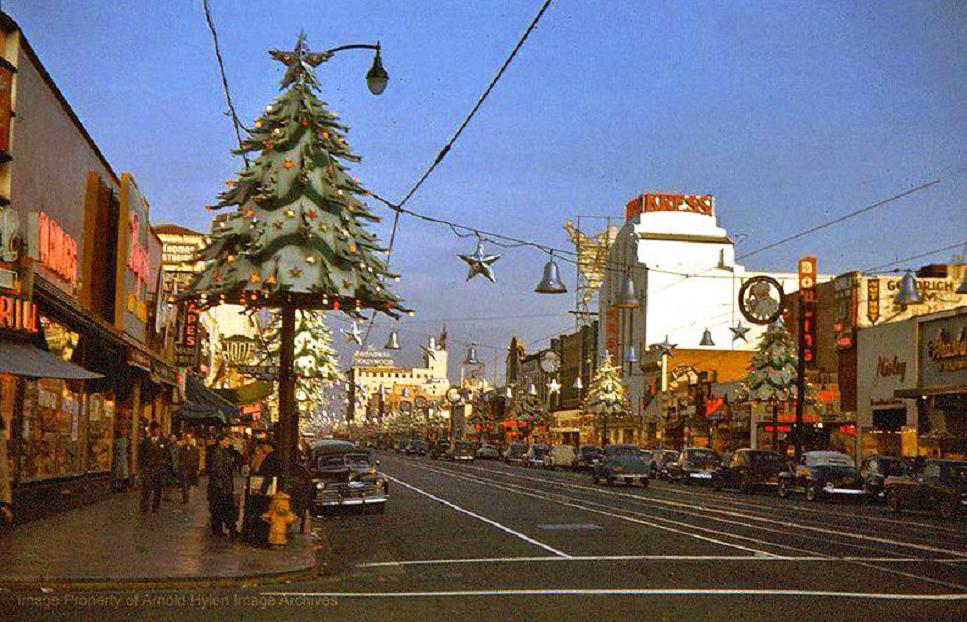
739,331
553,386
480,263
353,334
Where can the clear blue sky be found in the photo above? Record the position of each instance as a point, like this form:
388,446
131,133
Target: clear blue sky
788,112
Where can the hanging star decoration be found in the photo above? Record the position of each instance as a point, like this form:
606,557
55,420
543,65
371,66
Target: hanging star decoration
431,349
480,263
553,386
739,331
353,335
666,347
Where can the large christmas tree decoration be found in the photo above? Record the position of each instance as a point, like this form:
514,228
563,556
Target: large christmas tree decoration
772,371
606,394
297,238
298,233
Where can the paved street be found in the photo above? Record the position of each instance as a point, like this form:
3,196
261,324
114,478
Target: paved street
511,543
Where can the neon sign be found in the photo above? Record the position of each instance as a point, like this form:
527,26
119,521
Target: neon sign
137,253
53,247
17,313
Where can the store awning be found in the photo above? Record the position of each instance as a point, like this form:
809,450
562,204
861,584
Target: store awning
203,403
194,412
248,393
23,359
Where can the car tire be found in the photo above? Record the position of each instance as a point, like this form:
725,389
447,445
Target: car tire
745,487
947,509
379,508
644,482
812,492
595,479
893,501
783,489
610,481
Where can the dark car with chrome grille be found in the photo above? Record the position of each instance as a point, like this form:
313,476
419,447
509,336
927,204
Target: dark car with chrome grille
344,475
823,474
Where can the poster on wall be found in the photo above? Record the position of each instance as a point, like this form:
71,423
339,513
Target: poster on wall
131,308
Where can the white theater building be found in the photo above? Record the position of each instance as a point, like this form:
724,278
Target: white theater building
686,278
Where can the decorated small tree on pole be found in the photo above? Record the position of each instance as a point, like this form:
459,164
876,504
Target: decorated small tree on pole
297,238
606,394
772,373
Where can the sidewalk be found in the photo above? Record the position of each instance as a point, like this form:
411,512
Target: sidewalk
111,544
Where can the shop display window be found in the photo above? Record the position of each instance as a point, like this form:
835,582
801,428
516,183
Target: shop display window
51,444
8,391
100,432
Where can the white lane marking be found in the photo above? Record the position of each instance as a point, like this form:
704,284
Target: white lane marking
484,519
621,558
627,592
571,502
760,519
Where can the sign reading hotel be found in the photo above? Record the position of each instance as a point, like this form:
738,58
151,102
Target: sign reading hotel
52,248
131,307
659,202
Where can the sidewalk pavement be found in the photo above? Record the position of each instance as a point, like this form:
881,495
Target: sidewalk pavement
110,544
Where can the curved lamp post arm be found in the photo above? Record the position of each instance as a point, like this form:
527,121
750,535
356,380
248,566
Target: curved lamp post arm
376,77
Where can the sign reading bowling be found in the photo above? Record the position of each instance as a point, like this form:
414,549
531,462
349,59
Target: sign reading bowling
807,309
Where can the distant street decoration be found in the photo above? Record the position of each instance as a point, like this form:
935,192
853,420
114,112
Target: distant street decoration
739,331
353,335
592,258
481,263
762,300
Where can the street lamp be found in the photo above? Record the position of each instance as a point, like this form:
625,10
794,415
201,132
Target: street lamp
376,77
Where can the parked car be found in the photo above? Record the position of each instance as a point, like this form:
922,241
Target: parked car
875,469
344,475
516,453
439,449
748,469
659,460
461,451
626,463
940,486
486,451
416,447
587,456
561,457
822,473
537,455
693,464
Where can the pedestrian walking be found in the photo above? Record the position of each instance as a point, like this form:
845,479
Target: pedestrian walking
187,465
152,462
6,492
119,468
172,469
221,489
270,466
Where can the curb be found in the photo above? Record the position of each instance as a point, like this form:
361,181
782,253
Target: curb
169,583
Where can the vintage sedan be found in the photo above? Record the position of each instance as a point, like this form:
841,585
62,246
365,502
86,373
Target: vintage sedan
694,464
344,475
461,451
416,447
748,469
486,451
823,473
561,457
622,463
587,456
941,486
516,453
537,455
659,460
875,469
439,449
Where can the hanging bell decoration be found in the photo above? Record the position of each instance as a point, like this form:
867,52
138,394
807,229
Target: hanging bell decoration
706,338
509,393
628,298
532,390
471,358
393,343
551,283
578,384
632,355
908,294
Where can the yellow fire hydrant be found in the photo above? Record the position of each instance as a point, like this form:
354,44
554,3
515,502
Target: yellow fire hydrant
279,517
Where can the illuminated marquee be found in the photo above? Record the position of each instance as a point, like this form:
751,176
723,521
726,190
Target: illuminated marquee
17,313
659,202
53,247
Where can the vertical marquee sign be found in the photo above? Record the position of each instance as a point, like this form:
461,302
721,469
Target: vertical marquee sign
807,310
131,306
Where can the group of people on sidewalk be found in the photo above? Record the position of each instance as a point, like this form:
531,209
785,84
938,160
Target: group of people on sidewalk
167,465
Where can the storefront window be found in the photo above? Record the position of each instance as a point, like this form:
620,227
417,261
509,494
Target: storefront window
8,390
100,432
51,431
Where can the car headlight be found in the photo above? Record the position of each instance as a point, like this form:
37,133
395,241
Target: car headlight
320,485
